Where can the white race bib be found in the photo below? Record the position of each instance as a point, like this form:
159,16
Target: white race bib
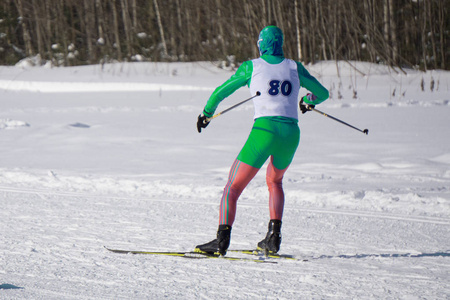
279,86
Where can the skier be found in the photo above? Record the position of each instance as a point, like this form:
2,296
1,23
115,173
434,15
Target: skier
275,132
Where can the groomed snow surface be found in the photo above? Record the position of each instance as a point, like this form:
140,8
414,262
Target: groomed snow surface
109,155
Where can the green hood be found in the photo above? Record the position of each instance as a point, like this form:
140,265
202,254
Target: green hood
270,41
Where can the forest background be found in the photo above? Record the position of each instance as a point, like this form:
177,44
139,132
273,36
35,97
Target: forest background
400,33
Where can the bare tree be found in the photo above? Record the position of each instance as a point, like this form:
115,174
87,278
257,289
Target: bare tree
444,43
23,23
127,25
89,27
297,31
161,28
117,44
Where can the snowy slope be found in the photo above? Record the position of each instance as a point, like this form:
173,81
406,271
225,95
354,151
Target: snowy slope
109,155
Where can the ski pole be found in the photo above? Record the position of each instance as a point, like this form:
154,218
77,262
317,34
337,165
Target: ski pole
234,106
365,131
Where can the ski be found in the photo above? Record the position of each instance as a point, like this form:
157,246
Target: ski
257,252
191,255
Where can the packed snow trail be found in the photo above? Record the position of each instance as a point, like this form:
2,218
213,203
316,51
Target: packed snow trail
61,237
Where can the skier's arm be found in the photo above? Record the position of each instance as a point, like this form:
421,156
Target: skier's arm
310,83
237,80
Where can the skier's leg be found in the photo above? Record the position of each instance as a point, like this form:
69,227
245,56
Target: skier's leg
274,179
240,175
280,159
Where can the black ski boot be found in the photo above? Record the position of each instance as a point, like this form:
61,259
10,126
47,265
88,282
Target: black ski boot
219,245
271,244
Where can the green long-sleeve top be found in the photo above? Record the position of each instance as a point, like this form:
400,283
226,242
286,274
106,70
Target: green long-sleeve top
243,77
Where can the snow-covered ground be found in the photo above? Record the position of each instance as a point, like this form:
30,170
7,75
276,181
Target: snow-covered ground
109,155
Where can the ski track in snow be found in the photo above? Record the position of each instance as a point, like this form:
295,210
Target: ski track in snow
109,156
41,241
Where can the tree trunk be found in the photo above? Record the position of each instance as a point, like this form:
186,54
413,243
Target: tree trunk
264,13
134,11
336,30
297,30
127,25
368,31
431,22
118,46
424,36
269,13
393,32
61,26
219,21
100,19
161,29
26,33
181,43
89,21
442,40
386,27
38,30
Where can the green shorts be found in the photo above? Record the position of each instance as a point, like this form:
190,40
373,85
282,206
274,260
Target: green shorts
271,136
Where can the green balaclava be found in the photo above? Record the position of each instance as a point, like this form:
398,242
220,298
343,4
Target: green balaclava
270,41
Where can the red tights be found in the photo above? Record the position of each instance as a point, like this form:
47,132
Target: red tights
240,175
